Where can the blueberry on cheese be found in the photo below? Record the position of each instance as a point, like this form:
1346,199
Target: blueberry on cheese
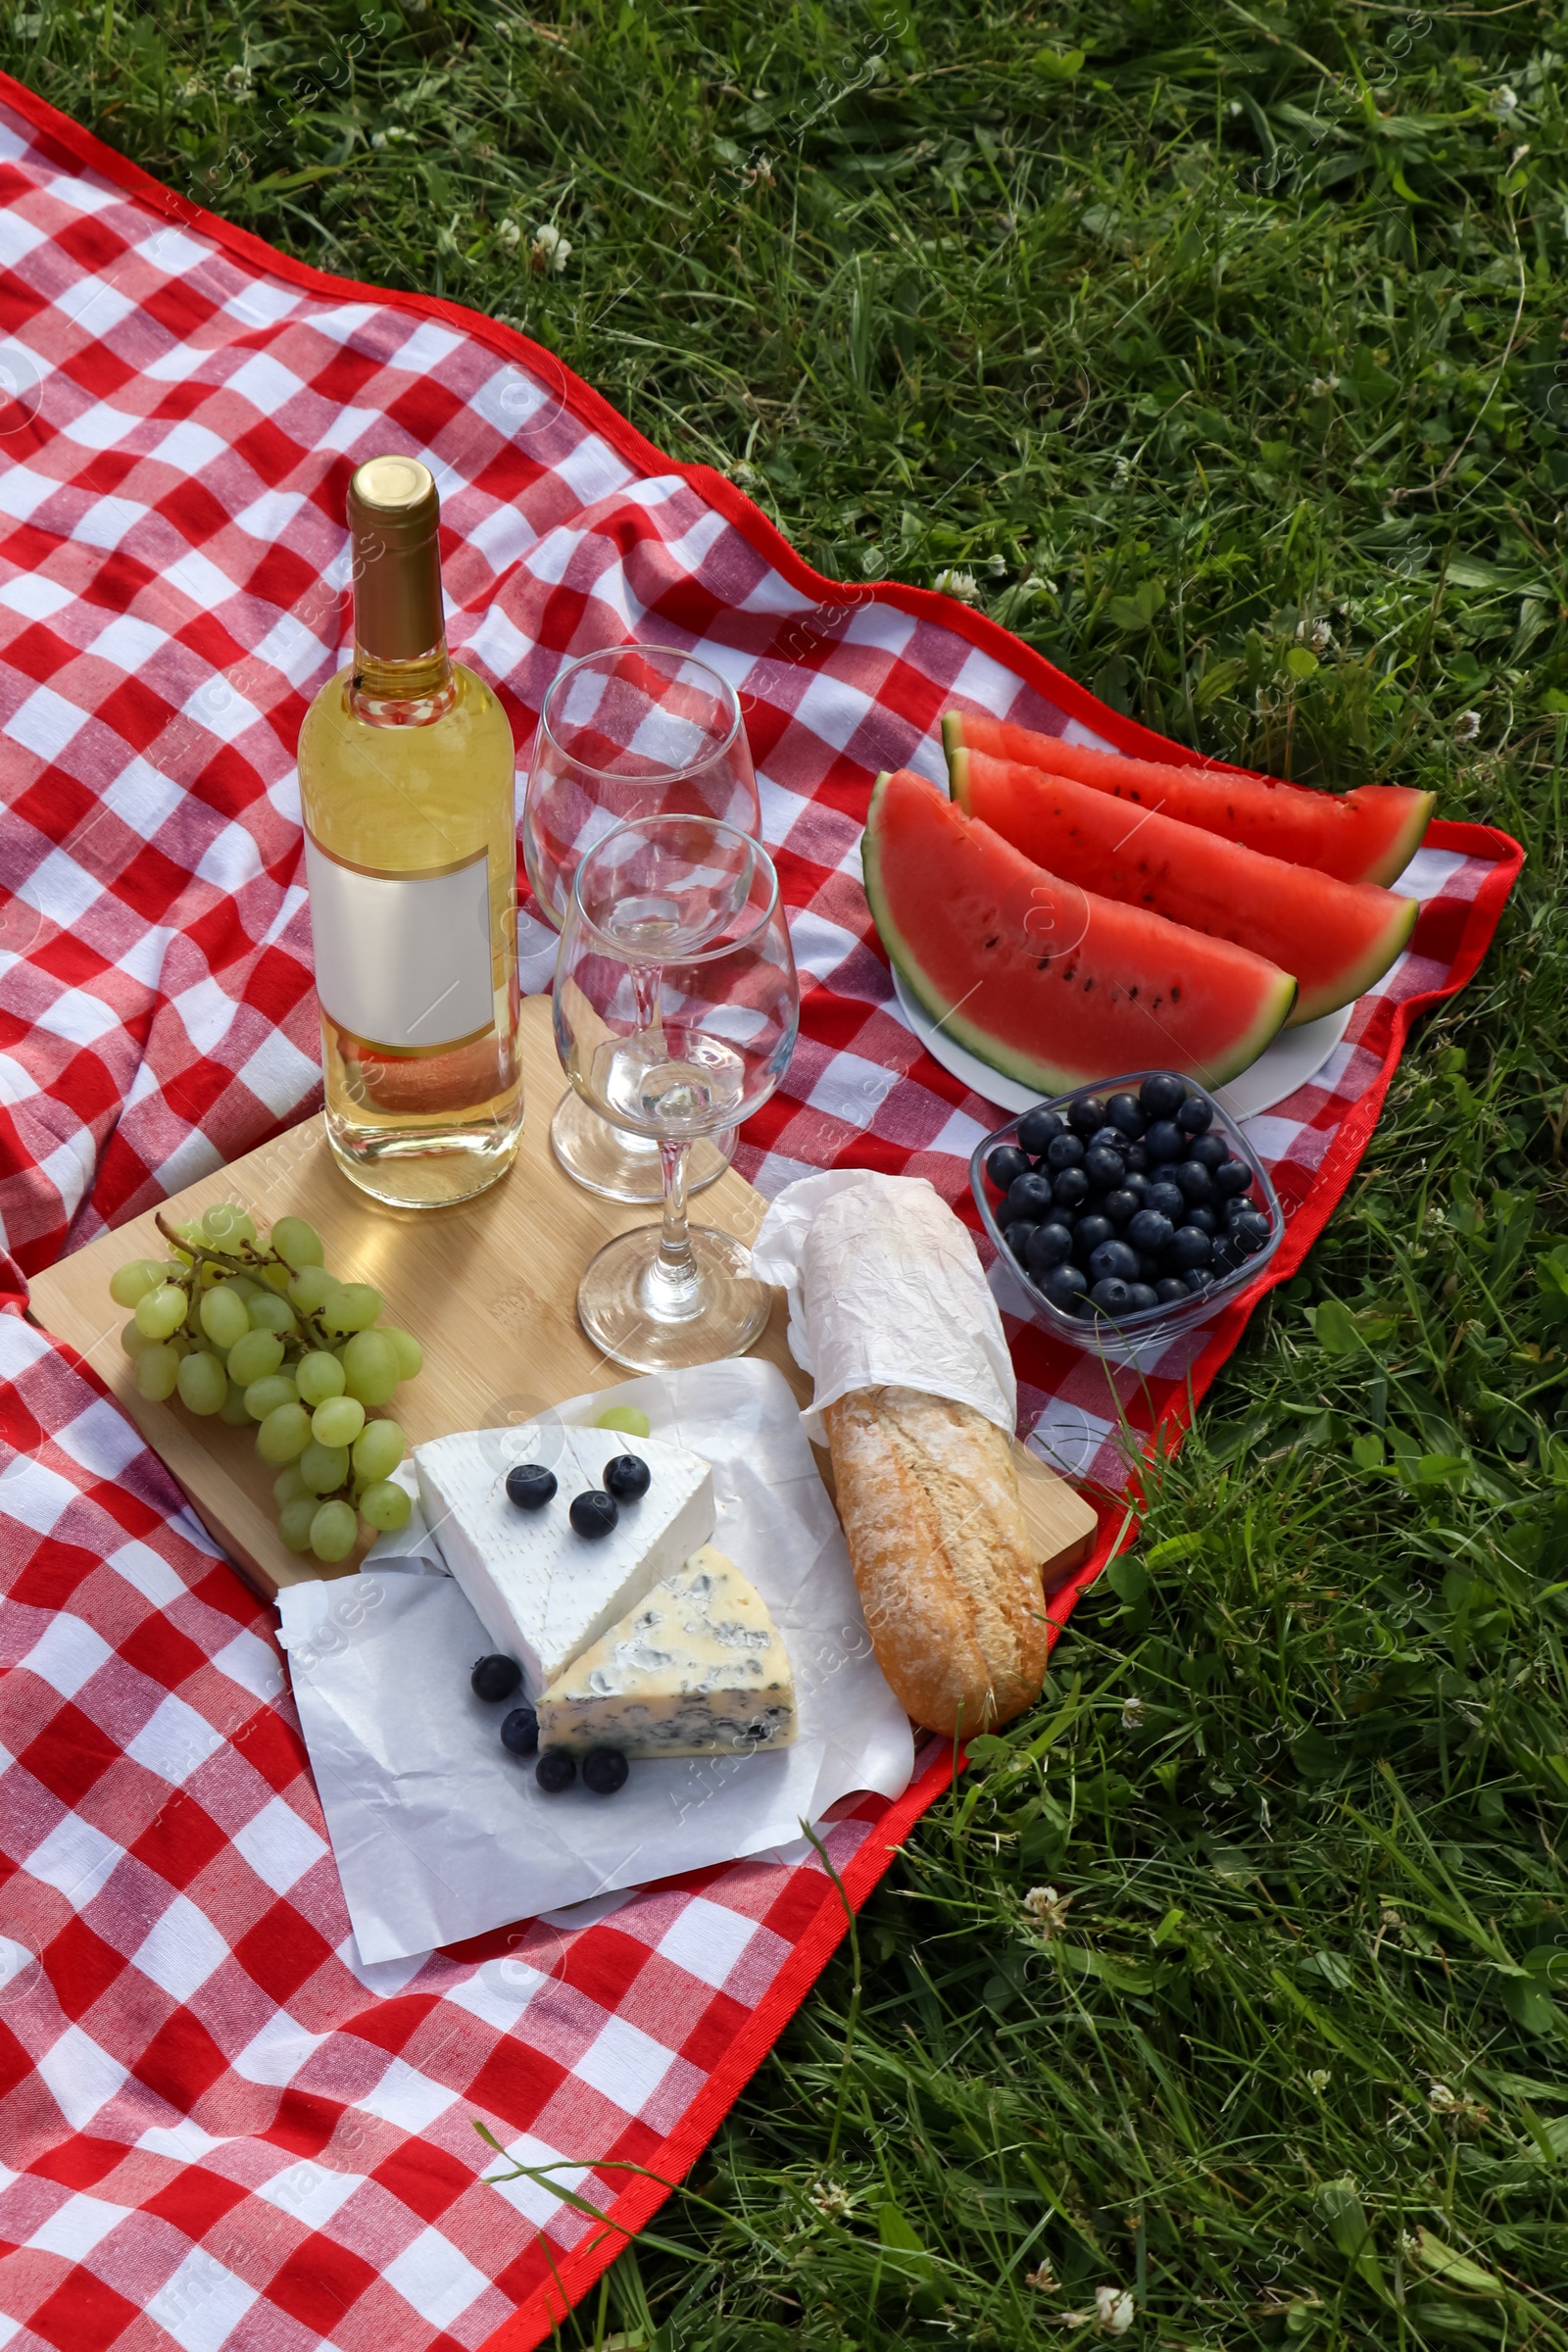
541,1592
695,1669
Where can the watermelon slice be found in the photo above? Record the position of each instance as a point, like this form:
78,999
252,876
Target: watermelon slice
1050,984
1369,835
1337,938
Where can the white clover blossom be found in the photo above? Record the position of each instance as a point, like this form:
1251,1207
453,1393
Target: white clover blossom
1113,2310
1316,634
961,584
1467,726
830,2197
1505,102
1132,1713
1048,1909
1324,383
551,250
238,79
1043,2280
509,236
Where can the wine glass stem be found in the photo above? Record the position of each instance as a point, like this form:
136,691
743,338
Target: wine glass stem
674,1275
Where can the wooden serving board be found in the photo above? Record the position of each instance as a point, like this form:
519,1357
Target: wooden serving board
488,1287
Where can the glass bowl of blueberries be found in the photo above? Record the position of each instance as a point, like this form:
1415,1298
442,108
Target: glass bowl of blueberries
1127,1212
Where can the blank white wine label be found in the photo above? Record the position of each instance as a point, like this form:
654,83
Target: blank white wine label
402,959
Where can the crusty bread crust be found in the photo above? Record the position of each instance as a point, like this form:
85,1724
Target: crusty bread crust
946,1577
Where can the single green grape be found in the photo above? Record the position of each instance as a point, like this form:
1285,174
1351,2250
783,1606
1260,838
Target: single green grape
225,1225
311,1287
323,1467
276,1278
355,1308
284,1435
128,1284
268,1312
370,1367
378,1449
385,1507
203,1383
242,1286
409,1355
265,1395
234,1414
157,1372
295,1520
334,1531
298,1243
629,1419
225,1318
318,1376
162,1311
337,1422
254,1356
289,1487
134,1340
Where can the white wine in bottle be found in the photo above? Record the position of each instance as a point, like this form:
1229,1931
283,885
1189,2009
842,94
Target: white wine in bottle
405,779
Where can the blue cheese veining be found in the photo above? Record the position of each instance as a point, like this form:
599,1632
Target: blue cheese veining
695,1668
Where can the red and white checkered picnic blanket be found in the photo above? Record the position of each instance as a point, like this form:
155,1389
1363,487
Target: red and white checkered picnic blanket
218,2127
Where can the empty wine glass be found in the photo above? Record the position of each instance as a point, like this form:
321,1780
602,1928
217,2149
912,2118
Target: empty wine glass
676,1007
634,730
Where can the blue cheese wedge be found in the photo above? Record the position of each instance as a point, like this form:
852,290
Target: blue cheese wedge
696,1669
542,1591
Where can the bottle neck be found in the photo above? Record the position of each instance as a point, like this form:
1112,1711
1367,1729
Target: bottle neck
404,692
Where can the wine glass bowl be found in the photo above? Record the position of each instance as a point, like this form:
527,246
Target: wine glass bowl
676,1007
630,731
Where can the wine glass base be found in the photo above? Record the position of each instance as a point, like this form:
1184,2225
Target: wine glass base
620,1166
620,1307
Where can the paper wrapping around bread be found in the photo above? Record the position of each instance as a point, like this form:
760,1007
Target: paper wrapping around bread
885,1291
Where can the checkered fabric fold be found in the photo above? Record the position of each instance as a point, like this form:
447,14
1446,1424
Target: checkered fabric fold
219,2130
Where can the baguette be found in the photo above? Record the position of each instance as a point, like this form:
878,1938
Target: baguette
947,1576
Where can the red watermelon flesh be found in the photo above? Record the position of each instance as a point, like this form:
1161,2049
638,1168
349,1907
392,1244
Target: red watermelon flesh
1369,835
1052,985
1336,938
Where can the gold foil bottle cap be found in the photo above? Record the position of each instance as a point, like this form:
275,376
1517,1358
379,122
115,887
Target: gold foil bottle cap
394,512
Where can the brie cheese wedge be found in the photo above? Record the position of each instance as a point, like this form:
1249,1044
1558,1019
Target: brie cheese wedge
542,1591
695,1669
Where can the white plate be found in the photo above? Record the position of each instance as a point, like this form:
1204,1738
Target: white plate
1294,1057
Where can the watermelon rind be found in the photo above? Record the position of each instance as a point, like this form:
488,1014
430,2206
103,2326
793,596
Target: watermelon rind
1047,1077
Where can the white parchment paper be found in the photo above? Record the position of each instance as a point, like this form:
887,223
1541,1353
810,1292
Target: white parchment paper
885,1290
439,1834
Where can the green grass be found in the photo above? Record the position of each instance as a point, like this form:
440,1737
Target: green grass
1219,346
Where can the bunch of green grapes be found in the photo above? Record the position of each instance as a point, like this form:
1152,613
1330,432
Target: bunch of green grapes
260,1334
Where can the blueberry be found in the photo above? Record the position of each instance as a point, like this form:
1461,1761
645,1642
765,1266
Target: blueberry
1232,1176
1195,1181
1227,1256
1197,1278
1210,1151
1028,1196
1063,1287
592,1514
1120,1205
1110,1296
1238,1205
1088,1234
1252,1230
1161,1096
1135,1157
1189,1247
1196,1115
1169,1288
494,1678
1018,1239
1049,1246
519,1732
1125,1111
627,1477
1107,1139
1115,1259
1140,1296
1070,1189
1064,1151
1038,1127
603,1770
1017,1225
1168,1197
1136,1183
1164,1141
1103,1169
1150,1268
1004,1163
1086,1114
554,1771
1204,1217
530,1485
1150,1229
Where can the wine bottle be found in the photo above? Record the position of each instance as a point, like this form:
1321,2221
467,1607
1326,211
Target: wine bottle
407,762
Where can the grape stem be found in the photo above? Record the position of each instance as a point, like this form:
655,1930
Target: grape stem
315,1331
